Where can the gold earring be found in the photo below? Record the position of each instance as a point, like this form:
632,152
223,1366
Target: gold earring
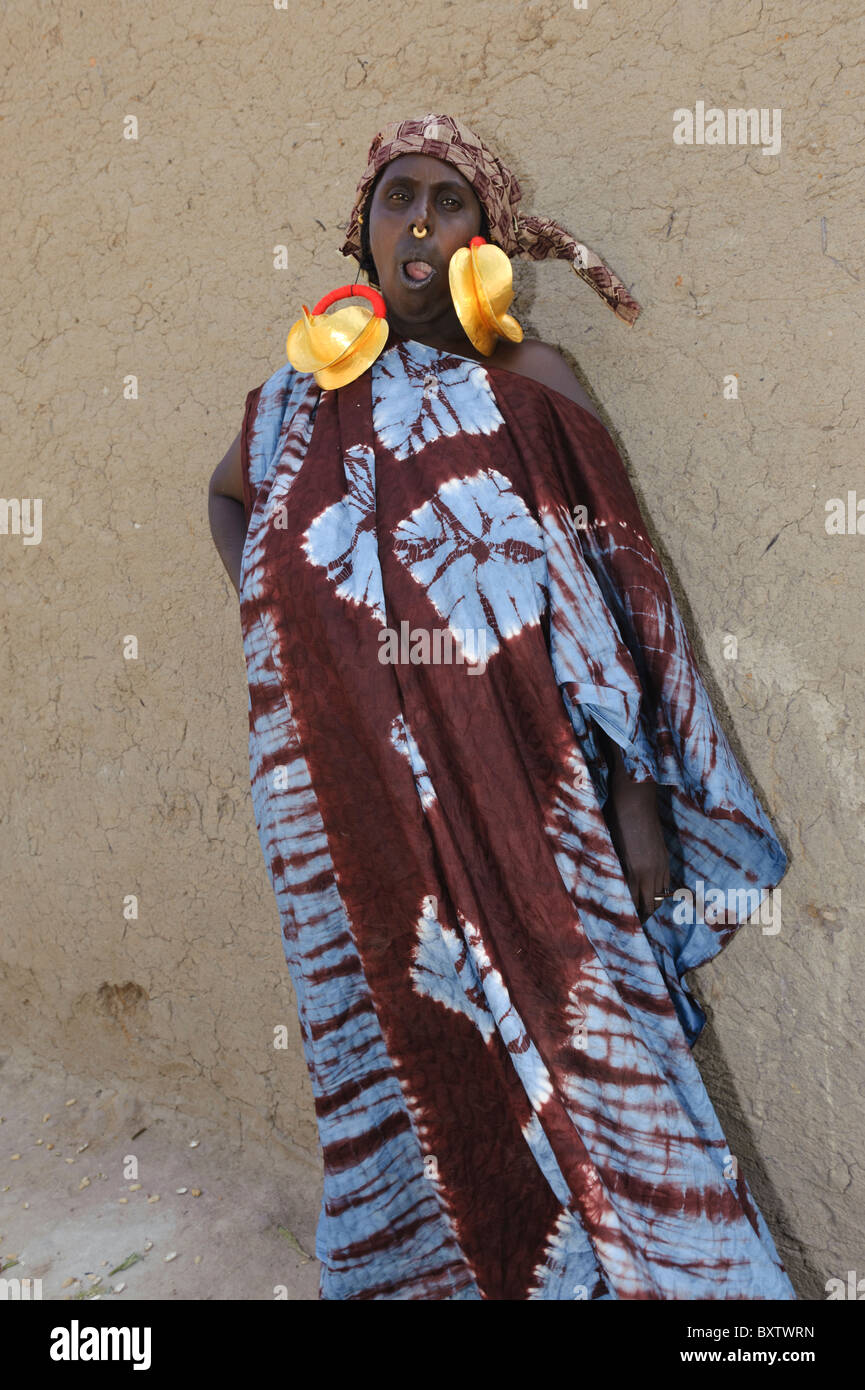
482,288
370,280
338,347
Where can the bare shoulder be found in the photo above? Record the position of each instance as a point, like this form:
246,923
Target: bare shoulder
543,362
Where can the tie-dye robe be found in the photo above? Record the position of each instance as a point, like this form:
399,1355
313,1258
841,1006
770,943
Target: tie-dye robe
500,1053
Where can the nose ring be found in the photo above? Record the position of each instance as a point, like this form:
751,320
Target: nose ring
416,233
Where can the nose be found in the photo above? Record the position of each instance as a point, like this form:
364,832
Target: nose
420,211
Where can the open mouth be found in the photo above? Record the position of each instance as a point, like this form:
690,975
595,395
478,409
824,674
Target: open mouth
416,274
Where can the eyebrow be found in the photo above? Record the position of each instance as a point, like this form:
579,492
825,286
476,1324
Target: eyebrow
387,182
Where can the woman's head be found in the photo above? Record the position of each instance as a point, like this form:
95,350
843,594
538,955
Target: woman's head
366,259
472,166
429,194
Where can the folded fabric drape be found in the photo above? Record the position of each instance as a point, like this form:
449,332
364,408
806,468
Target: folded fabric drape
500,1052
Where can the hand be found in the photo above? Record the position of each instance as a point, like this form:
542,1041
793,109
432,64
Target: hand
638,839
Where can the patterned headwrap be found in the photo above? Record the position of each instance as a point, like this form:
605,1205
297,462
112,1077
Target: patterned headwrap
535,238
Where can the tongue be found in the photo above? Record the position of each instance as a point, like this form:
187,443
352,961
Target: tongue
418,270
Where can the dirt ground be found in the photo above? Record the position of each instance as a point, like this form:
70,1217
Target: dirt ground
72,1213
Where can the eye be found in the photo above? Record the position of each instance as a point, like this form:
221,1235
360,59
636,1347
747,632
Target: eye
400,193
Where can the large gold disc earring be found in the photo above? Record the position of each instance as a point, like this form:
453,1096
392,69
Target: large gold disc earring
338,347
482,288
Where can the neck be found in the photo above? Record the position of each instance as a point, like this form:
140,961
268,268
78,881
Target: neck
450,340
443,331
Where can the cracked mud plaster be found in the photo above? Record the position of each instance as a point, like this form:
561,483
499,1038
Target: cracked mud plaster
154,257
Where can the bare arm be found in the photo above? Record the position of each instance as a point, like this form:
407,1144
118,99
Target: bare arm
631,809
635,829
226,512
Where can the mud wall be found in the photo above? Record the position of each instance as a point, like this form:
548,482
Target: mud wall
157,158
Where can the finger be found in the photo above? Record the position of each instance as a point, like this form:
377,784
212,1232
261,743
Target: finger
654,896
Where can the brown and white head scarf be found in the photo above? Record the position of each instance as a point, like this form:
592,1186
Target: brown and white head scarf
534,238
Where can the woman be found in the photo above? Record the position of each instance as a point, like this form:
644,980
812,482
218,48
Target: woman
473,841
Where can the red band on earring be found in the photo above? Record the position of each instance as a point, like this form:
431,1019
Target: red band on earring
347,291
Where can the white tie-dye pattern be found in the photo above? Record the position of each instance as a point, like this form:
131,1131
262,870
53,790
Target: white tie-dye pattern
342,538
525,1056
569,1269
403,741
477,552
418,397
443,970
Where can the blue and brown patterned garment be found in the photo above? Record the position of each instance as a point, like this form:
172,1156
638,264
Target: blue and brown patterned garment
500,1052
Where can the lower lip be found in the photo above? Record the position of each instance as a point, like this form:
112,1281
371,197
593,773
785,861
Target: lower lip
411,284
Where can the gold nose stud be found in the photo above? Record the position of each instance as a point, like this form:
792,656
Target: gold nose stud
418,234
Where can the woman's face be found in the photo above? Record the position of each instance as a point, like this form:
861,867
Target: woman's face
432,194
